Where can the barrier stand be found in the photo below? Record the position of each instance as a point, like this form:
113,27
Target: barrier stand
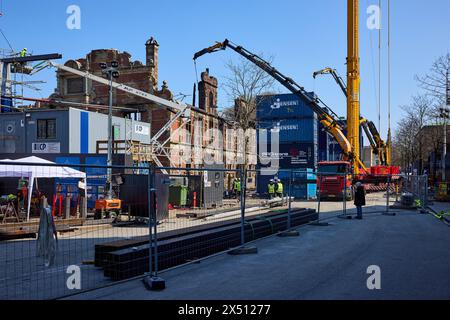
243,249
344,196
289,232
388,193
151,280
67,207
317,223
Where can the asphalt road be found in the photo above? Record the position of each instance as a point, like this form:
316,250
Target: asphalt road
412,251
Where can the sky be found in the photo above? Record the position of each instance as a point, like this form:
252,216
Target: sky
302,36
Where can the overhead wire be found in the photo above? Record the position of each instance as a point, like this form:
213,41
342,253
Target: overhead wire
389,65
372,56
379,70
7,41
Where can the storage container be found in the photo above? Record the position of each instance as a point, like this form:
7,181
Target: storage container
282,106
289,130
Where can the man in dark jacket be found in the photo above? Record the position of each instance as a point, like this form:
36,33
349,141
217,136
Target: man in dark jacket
360,199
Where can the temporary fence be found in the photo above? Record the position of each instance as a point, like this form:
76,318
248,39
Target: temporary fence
414,190
84,233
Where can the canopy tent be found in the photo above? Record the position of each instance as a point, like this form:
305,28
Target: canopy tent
40,170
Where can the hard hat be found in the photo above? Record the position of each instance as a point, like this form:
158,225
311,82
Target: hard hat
271,180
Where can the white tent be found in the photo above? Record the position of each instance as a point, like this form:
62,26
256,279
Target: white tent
40,170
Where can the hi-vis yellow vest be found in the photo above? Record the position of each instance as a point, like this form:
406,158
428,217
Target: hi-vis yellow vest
280,187
271,188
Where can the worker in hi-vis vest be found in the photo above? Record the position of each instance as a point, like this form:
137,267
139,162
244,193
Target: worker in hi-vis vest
23,52
279,188
237,188
271,189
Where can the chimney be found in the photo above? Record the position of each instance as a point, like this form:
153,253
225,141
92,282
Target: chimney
207,93
151,60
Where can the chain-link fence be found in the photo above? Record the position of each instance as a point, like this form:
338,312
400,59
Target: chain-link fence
75,227
413,190
58,221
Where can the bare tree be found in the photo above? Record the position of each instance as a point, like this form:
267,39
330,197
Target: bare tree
412,143
434,82
245,82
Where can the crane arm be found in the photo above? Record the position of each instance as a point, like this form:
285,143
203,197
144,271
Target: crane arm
172,106
324,117
336,77
379,147
180,109
369,135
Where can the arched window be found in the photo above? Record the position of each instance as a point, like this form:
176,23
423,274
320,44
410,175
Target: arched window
211,100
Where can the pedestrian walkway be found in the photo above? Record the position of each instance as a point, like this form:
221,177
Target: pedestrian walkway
330,262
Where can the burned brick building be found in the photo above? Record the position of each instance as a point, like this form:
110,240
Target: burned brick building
202,120
73,88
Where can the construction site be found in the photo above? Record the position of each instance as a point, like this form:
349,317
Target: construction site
114,186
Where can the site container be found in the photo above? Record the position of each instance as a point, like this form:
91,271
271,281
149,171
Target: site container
303,182
289,130
304,191
206,189
282,106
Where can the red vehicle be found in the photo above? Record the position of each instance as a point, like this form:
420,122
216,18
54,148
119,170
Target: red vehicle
334,178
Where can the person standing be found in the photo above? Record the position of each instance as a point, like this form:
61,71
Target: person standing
279,188
271,189
360,199
237,188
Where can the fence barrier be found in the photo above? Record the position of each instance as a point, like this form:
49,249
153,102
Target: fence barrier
62,233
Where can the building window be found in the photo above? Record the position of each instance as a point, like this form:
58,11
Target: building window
211,101
46,129
74,85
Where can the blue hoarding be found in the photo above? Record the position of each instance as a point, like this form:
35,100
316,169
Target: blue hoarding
282,106
289,156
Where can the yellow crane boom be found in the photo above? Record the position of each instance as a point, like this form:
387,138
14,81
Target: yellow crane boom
353,79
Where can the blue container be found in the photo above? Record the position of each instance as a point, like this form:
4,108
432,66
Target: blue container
282,106
304,191
289,130
6,104
300,181
304,175
312,191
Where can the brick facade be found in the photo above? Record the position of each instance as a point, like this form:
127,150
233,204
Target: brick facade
197,131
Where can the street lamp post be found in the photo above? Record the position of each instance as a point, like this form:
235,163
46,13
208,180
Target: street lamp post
445,115
111,72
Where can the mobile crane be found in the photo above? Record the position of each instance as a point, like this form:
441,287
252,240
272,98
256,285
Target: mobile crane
325,117
379,147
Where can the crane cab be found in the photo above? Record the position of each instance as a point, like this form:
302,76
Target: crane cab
334,179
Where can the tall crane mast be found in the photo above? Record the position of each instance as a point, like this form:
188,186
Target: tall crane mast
379,147
327,120
353,79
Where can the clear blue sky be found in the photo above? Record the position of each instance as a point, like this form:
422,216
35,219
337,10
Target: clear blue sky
303,36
